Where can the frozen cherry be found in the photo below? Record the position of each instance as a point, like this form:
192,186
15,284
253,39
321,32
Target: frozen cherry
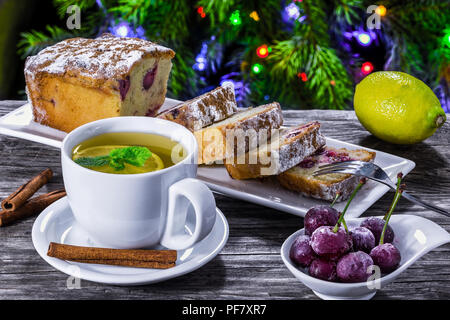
330,244
124,86
323,269
386,256
301,252
363,239
149,78
353,267
376,226
320,216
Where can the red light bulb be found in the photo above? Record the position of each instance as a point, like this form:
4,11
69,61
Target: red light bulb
201,12
303,76
367,67
262,51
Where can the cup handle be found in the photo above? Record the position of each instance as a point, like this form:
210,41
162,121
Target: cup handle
182,193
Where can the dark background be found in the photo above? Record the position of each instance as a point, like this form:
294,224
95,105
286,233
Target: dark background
18,16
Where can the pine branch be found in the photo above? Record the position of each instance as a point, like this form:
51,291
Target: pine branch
347,10
218,10
183,79
309,52
63,5
134,11
34,41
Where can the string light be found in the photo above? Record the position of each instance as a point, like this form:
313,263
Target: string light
381,10
292,11
262,51
123,29
257,68
333,83
254,15
200,60
446,39
303,76
366,68
201,12
235,18
364,38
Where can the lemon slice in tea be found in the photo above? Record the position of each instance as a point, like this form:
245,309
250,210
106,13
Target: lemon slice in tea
153,163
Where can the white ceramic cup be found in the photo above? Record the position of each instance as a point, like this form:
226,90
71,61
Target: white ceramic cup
138,210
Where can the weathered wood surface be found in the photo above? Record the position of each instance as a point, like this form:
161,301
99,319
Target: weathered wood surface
249,267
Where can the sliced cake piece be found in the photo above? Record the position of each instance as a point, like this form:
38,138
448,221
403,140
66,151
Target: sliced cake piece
324,187
204,110
239,131
286,149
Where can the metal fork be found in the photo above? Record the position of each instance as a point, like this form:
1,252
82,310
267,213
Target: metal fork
373,172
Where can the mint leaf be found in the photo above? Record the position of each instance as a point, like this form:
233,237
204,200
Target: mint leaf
136,156
117,163
92,161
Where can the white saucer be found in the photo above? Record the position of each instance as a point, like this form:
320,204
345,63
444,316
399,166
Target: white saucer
57,224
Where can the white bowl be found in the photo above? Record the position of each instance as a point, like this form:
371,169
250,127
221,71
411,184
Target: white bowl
414,237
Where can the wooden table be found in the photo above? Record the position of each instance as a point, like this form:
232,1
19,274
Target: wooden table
250,266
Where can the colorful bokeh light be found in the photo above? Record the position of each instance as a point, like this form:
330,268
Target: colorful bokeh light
257,68
254,15
201,12
381,10
367,67
262,51
303,76
364,38
235,18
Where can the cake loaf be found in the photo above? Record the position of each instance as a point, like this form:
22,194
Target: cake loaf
80,80
202,111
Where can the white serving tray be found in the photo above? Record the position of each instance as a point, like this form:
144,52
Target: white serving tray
19,123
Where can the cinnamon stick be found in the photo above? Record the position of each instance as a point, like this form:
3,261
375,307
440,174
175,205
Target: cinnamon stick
131,263
24,192
124,257
31,207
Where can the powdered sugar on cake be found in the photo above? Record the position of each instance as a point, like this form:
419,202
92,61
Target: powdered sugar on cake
204,110
290,154
102,58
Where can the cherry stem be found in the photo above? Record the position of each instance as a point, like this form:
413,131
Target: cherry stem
399,179
338,194
341,217
345,225
398,195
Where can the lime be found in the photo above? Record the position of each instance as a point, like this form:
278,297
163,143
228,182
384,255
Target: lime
397,107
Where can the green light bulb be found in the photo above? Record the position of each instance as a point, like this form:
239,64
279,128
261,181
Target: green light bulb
257,68
235,18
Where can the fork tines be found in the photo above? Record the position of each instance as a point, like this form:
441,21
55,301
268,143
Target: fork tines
349,167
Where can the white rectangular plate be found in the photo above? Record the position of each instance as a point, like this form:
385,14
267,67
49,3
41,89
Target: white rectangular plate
19,123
